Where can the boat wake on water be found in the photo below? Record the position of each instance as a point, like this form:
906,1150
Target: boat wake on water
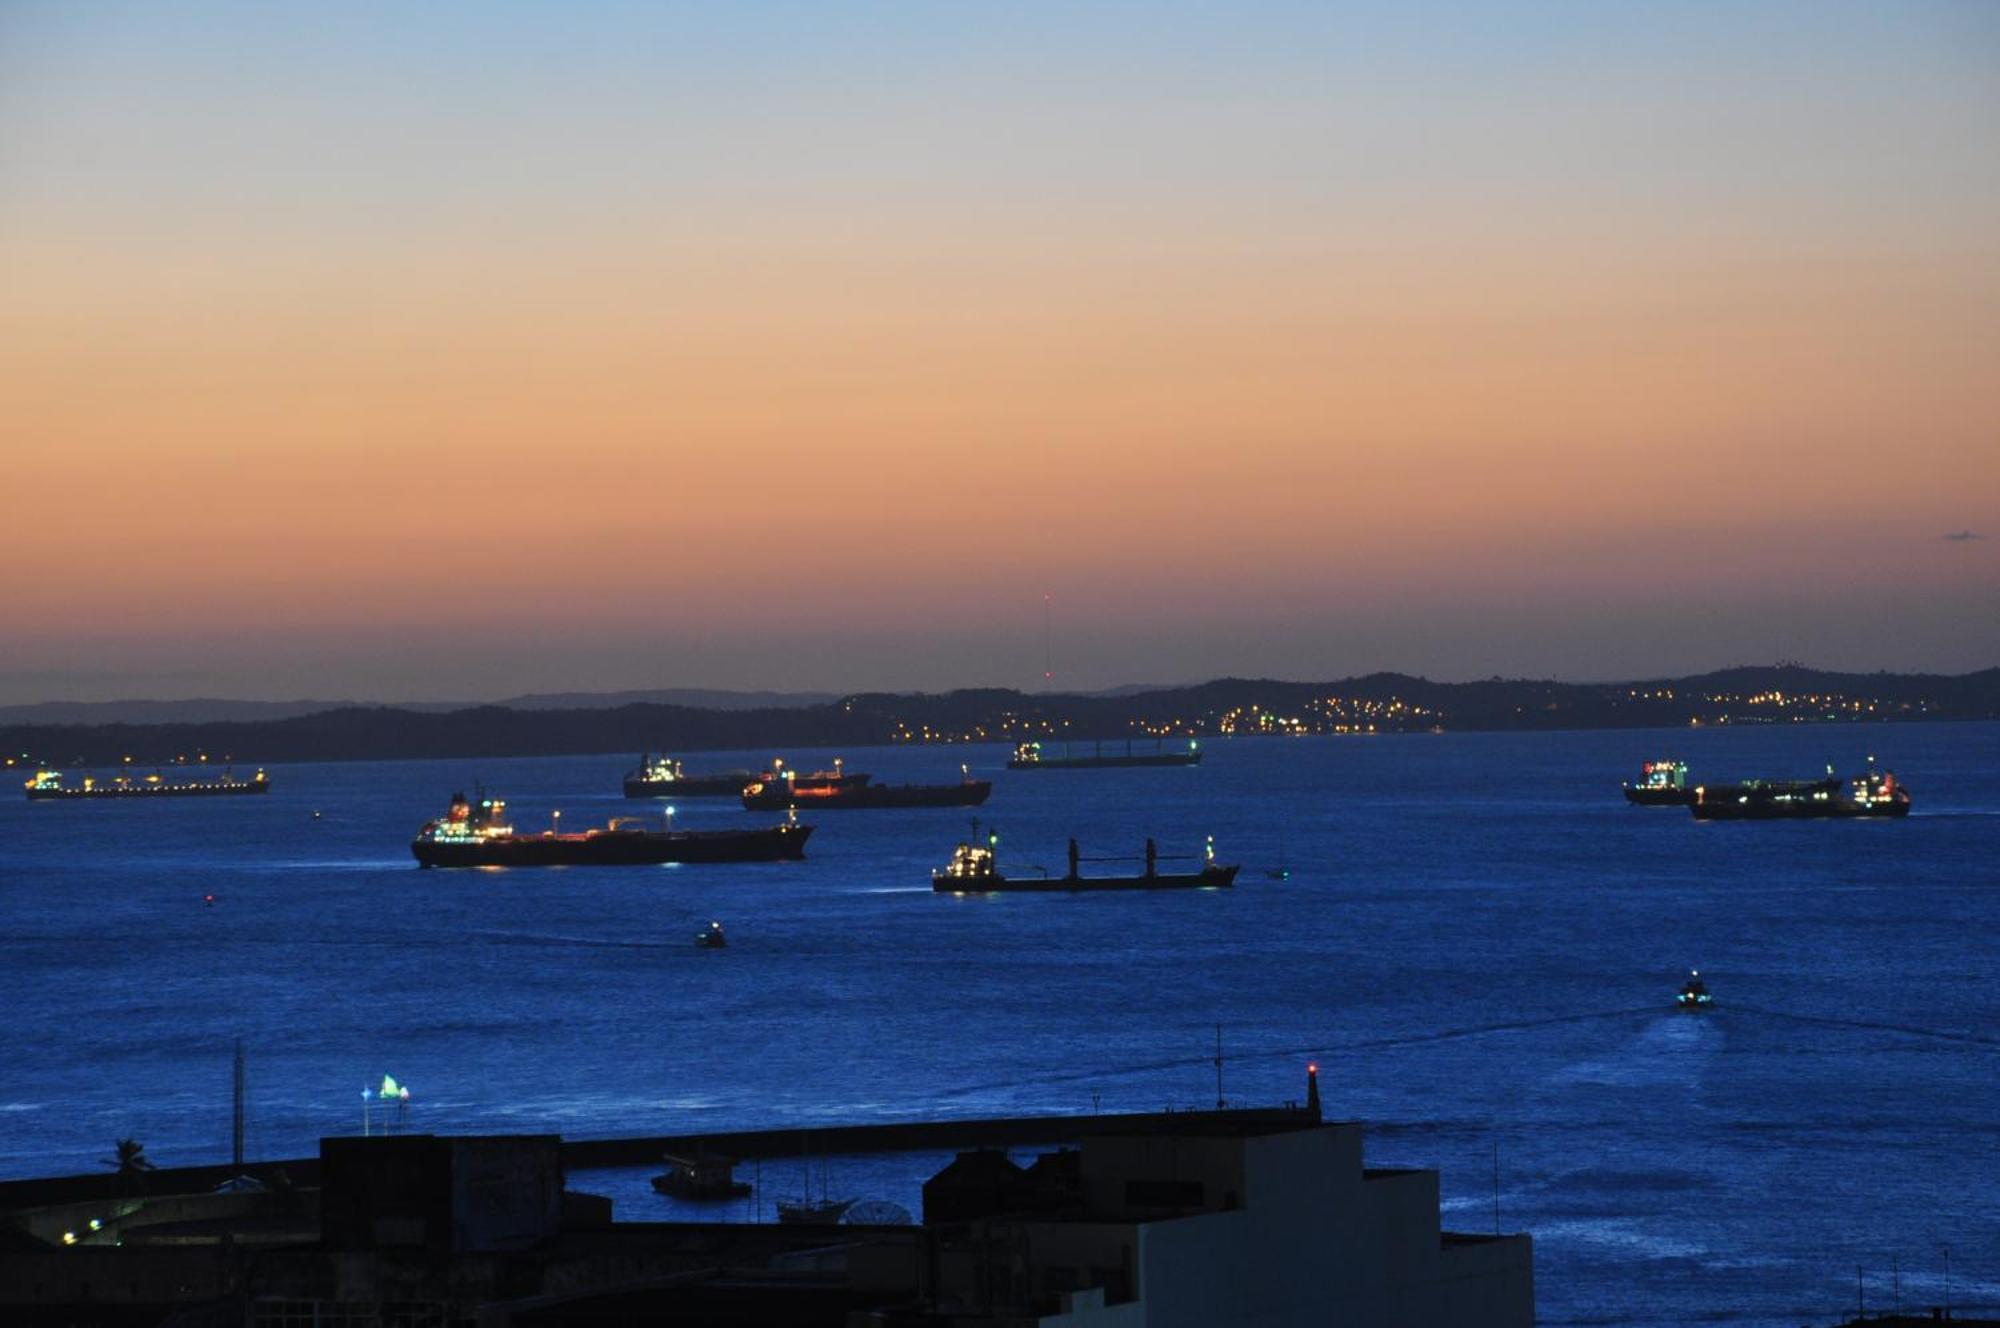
1316,1050
1670,1030
535,941
1660,1054
340,865
1869,1025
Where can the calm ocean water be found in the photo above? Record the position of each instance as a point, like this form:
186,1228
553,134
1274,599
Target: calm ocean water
1479,943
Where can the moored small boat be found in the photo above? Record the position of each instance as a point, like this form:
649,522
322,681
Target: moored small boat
808,1212
700,1176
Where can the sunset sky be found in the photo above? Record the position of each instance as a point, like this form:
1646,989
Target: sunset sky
459,350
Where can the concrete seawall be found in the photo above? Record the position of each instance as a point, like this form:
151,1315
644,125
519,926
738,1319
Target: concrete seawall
582,1155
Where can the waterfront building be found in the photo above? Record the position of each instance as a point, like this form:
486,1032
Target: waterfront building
1231,1217
1209,1226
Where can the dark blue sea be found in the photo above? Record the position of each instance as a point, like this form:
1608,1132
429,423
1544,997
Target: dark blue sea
1479,943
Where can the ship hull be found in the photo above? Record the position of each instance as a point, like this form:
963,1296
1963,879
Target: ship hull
728,785
618,848
1658,797
150,791
1831,809
1210,878
865,797
735,1189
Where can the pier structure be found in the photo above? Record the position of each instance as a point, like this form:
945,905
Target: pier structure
1144,1220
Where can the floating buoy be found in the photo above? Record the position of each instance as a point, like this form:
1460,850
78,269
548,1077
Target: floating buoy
209,900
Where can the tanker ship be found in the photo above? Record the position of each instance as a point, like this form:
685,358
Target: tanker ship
48,784
476,834
852,792
1870,794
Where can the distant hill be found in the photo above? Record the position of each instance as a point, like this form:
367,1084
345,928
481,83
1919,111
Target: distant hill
699,698
213,710
1225,707
198,710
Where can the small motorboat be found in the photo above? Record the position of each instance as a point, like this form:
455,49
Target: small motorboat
1693,994
712,939
702,1176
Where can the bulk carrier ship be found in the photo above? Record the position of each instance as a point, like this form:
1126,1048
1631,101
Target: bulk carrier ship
1030,756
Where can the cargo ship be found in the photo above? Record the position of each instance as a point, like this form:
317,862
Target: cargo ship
48,784
975,869
476,834
1661,784
847,792
664,777
1031,756
1871,794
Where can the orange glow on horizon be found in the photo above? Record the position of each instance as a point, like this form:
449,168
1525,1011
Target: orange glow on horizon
897,356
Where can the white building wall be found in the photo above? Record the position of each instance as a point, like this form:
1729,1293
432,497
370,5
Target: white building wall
1316,1243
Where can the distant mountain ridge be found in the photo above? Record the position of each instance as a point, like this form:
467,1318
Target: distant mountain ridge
1224,707
213,710
699,698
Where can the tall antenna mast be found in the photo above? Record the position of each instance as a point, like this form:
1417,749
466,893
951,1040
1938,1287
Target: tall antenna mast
236,1120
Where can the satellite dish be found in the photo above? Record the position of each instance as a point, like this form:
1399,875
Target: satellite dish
876,1213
